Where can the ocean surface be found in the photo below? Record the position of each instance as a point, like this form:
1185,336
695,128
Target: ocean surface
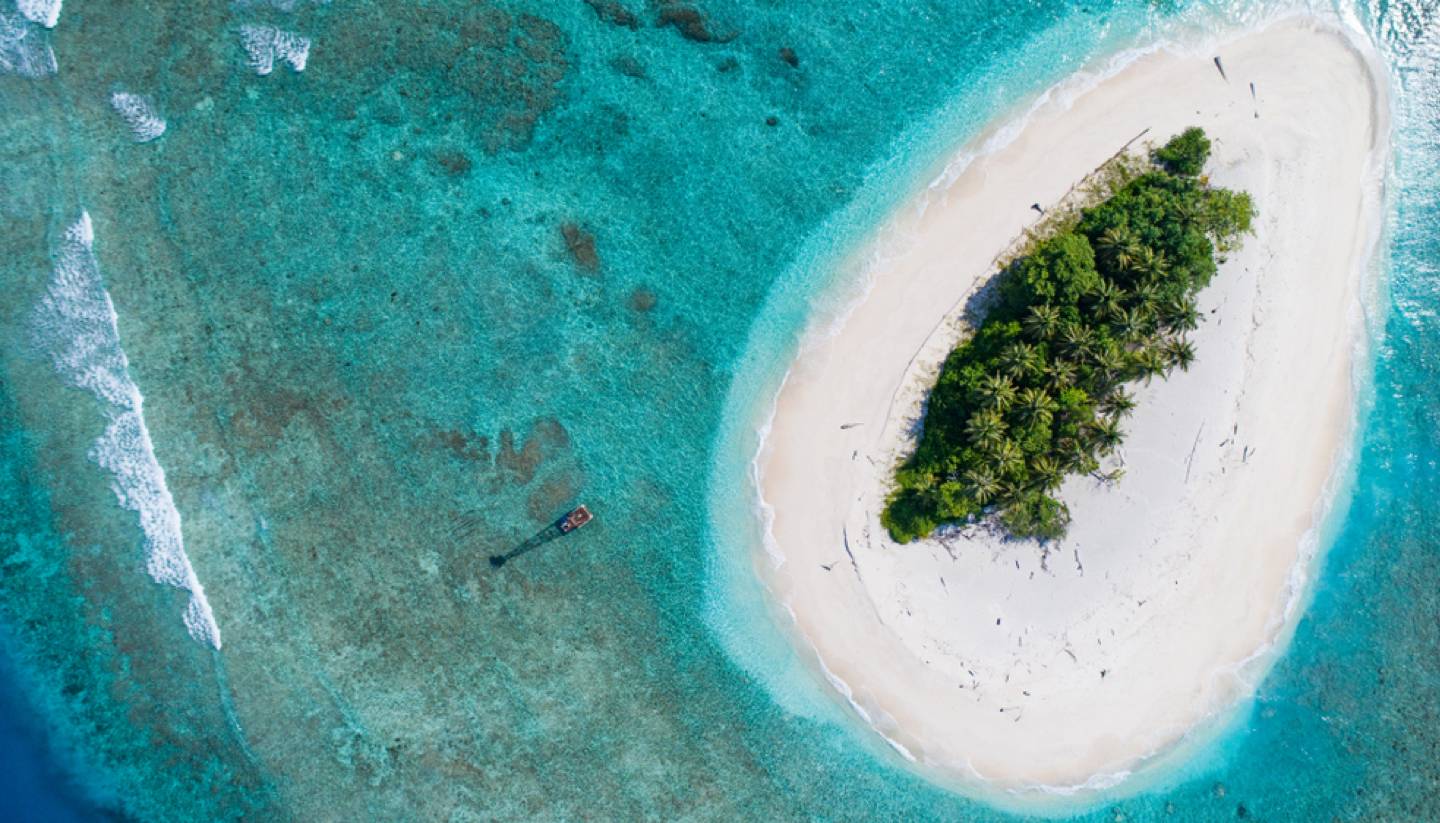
309,307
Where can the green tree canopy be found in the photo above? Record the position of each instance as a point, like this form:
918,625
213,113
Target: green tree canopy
1103,299
1061,270
1185,154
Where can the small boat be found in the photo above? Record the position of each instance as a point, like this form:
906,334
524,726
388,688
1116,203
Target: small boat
576,518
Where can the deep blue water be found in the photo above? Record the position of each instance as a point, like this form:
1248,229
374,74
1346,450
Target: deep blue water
34,783
477,262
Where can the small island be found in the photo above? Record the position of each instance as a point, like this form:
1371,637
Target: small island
1099,297
974,371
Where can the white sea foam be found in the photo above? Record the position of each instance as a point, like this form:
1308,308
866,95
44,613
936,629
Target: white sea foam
284,6
23,49
44,12
140,114
75,323
267,45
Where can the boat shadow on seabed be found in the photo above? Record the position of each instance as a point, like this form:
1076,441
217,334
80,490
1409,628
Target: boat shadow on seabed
540,538
571,521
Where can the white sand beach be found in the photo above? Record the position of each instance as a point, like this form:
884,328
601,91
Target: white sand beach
993,659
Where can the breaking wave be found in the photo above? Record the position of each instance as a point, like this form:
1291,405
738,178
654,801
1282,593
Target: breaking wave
267,45
44,12
23,49
139,114
283,6
75,323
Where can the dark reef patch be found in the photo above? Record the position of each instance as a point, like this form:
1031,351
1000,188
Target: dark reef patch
261,423
455,163
581,245
515,81
642,299
501,72
629,66
546,439
551,498
692,23
614,13
465,444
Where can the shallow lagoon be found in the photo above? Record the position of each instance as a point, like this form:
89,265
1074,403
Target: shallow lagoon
371,356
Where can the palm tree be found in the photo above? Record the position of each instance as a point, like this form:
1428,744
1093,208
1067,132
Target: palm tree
1078,460
983,485
1011,490
1106,431
1008,457
1042,321
1151,362
1036,405
1151,264
1077,337
986,428
1119,244
1073,456
998,391
1118,404
1110,363
1061,374
1180,352
1047,471
1145,297
1022,360
1108,299
1131,324
1112,239
1181,315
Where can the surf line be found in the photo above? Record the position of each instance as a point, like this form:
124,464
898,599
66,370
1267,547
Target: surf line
75,323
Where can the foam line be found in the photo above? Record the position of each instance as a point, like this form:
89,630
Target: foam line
267,45
75,323
44,12
140,114
282,6
23,49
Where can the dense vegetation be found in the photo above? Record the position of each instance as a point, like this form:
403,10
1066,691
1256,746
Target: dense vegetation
1102,297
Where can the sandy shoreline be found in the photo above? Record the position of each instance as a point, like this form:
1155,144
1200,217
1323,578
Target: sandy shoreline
1030,668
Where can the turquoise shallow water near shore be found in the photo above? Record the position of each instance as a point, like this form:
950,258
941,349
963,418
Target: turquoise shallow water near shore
475,263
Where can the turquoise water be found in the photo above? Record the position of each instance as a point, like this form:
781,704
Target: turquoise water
478,262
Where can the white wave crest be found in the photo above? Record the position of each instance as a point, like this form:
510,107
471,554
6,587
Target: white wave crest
44,12
267,45
139,114
283,6
23,49
75,323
